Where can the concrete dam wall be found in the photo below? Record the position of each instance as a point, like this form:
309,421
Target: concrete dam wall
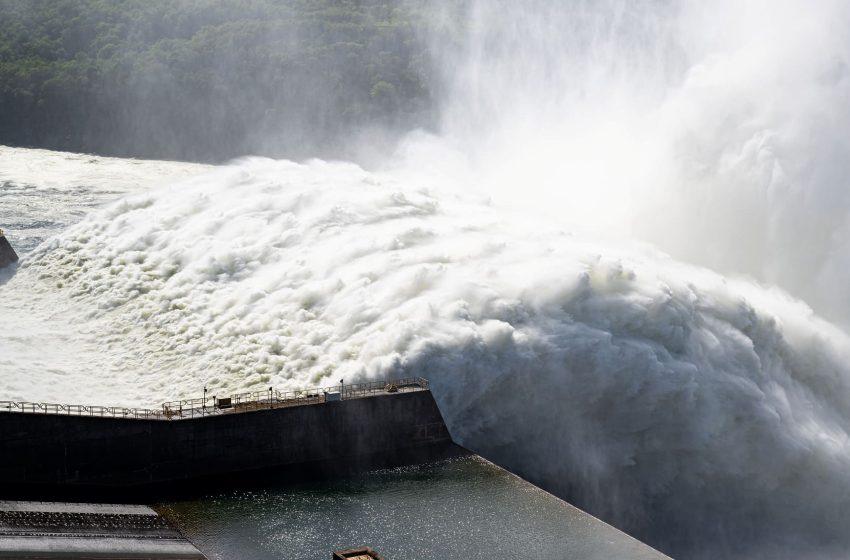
56,451
7,253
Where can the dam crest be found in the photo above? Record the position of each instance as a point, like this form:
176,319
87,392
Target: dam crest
59,449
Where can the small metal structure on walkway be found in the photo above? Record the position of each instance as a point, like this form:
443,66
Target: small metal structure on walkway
47,530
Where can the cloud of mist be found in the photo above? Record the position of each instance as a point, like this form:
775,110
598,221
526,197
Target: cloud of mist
715,131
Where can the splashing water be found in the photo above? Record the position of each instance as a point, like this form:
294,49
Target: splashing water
682,406
704,414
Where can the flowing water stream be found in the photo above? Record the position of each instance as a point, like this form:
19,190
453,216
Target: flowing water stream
613,261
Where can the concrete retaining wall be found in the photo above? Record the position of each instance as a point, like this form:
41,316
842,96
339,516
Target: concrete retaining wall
69,451
7,254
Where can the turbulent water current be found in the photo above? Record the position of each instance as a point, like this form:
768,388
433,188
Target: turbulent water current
701,413
686,387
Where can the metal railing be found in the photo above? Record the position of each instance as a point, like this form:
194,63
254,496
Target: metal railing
241,402
79,410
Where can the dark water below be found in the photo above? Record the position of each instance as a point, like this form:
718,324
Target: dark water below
458,509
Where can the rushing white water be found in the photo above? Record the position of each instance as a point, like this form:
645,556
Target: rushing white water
41,191
682,406
46,351
706,414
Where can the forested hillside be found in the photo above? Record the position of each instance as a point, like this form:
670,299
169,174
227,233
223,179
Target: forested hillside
207,79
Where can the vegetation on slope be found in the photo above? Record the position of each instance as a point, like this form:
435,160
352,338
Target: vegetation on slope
207,79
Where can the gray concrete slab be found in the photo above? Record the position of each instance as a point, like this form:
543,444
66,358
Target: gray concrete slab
103,547
75,530
67,507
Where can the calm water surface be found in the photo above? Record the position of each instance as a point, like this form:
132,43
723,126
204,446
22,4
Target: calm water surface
462,508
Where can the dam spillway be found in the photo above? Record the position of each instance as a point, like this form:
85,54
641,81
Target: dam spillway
108,451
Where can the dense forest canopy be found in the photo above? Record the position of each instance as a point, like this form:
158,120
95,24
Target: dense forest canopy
209,79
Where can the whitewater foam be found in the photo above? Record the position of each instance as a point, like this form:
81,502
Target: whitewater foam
695,411
705,414
46,351
43,191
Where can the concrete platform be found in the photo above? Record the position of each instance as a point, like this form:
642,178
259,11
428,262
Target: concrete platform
94,531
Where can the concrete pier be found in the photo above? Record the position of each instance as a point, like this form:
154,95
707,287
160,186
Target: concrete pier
46,530
91,449
7,254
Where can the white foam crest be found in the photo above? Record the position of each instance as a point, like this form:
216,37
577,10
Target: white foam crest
698,412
